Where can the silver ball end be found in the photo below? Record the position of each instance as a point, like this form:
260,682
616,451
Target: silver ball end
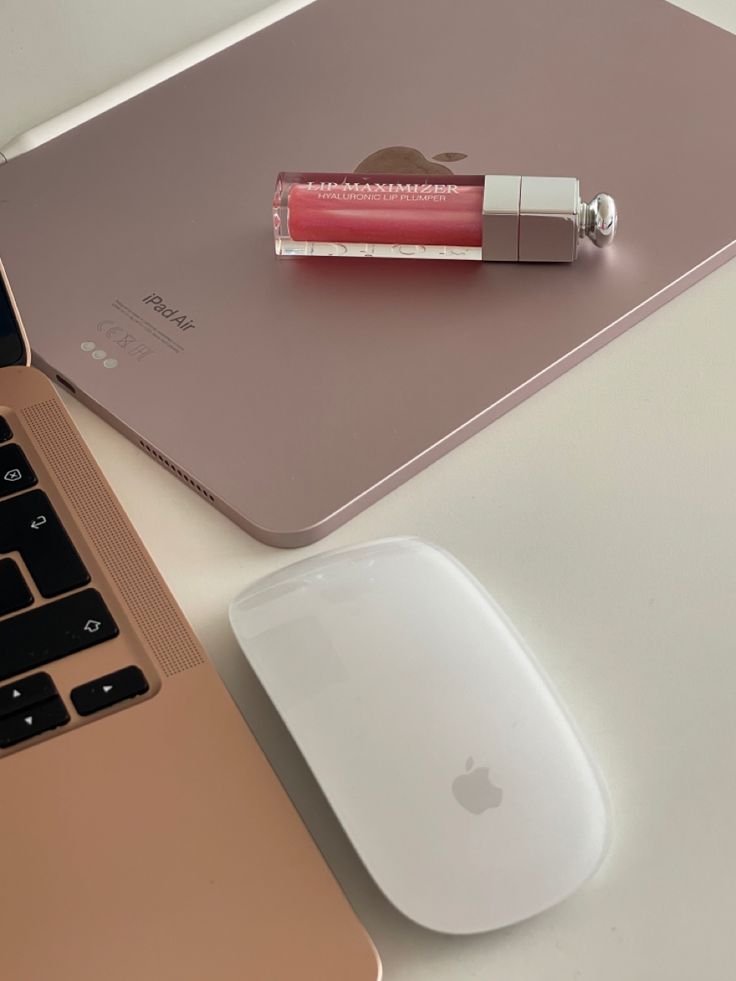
601,220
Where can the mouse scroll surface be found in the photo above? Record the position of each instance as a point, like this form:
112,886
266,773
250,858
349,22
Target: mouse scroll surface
439,744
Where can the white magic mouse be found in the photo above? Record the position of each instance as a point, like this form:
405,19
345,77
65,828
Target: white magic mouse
447,757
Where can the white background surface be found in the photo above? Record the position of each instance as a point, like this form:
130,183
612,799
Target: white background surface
600,513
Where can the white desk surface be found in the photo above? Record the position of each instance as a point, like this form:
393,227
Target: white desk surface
601,515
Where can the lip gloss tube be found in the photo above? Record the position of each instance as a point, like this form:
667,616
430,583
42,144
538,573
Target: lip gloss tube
495,218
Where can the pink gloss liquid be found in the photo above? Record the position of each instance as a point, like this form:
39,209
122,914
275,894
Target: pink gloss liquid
377,215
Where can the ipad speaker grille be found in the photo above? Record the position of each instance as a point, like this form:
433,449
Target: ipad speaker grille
132,572
172,468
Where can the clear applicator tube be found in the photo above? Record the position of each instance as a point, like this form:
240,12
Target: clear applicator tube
494,218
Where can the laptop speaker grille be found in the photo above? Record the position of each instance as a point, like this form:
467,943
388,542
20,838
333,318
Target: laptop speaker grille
130,569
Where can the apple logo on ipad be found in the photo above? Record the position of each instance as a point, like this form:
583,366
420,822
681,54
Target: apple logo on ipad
406,160
474,791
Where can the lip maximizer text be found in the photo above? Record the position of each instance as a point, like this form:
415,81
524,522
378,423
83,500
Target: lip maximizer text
493,218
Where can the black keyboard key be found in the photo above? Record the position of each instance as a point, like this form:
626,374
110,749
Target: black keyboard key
32,722
28,691
55,630
107,691
15,471
6,432
14,594
29,525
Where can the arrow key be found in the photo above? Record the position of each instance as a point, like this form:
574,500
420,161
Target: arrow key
20,695
43,717
109,690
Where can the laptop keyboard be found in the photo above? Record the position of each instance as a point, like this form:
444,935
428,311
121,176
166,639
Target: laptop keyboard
33,634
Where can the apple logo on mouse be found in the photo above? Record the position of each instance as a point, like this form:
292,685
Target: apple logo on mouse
406,160
474,791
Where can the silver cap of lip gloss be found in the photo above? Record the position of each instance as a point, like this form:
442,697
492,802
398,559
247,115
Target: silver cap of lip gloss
542,219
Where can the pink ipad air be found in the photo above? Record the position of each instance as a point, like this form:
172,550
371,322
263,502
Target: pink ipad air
292,392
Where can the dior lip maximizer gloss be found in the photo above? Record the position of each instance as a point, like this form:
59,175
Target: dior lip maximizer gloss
493,218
